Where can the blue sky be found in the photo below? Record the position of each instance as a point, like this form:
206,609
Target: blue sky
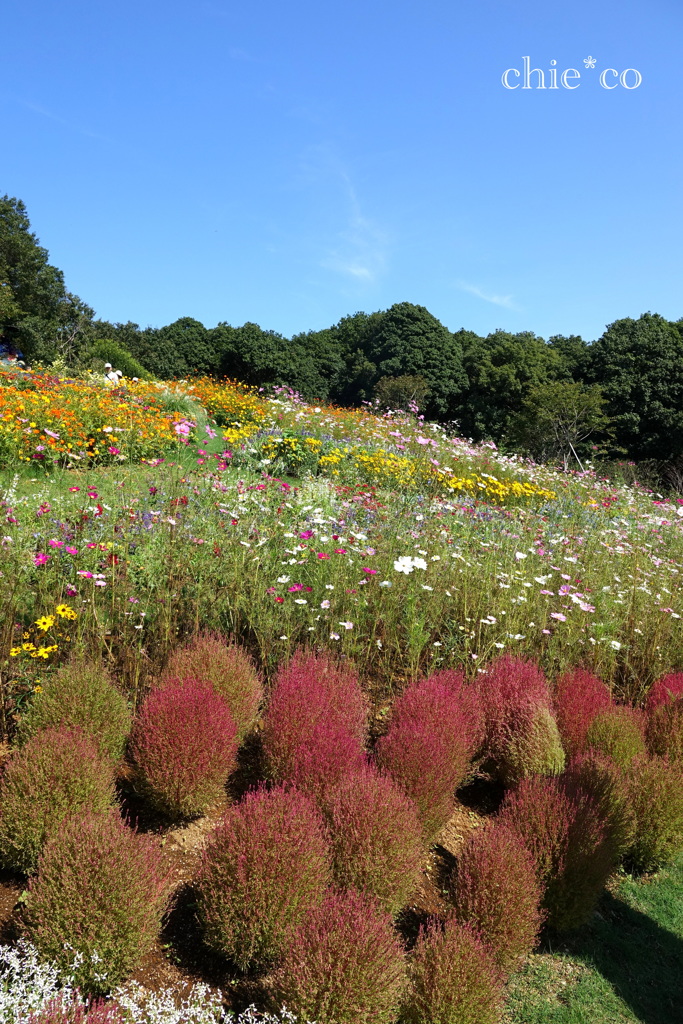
292,163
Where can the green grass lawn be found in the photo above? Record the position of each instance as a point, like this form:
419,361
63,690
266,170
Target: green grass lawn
625,967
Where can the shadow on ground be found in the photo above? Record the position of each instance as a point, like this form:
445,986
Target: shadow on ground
641,960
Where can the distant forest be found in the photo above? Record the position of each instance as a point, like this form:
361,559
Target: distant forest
619,396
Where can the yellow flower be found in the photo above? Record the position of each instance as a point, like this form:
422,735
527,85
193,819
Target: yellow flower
45,622
15,651
37,689
65,612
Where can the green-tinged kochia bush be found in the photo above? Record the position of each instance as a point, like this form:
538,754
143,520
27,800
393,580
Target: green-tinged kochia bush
100,892
578,696
376,838
568,839
227,668
617,733
664,730
598,777
495,891
655,787
535,749
58,772
521,736
453,978
184,747
265,866
82,695
344,964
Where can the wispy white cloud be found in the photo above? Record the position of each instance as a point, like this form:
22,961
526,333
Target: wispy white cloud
360,249
497,300
44,112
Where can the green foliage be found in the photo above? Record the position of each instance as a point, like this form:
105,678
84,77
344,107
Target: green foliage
558,418
407,392
665,730
639,366
534,749
617,733
58,772
408,340
597,777
106,351
501,369
100,892
453,979
656,796
81,695
37,314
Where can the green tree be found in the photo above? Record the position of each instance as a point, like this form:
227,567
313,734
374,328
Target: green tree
639,366
407,392
501,369
574,353
557,420
407,339
37,314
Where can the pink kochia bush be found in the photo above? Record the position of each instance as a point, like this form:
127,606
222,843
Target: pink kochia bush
315,724
73,1010
453,978
434,731
578,697
100,892
566,835
344,964
224,666
495,890
376,838
521,736
665,690
184,747
266,865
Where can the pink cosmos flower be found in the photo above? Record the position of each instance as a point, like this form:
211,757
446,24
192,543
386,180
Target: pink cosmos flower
41,558
322,554
559,616
55,543
306,534
371,572
72,489
297,586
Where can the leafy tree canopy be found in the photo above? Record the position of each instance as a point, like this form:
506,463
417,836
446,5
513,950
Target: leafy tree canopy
639,366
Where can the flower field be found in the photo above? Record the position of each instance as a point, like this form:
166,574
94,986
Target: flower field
336,611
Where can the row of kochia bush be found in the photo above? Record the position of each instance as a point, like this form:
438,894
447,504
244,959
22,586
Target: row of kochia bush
306,874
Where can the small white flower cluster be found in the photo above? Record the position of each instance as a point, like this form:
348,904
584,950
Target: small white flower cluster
27,985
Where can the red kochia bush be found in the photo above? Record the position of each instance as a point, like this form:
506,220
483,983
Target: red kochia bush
184,745
495,890
224,666
344,964
569,842
598,777
453,978
664,690
100,892
433,733
74,1011
578,697
315,723
266,864
376,838
521,734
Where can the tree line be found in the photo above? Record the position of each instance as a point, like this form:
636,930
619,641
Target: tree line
561,397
